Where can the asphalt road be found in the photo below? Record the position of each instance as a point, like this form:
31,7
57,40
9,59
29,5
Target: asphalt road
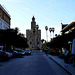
35,64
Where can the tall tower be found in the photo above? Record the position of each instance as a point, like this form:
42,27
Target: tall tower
33,24
34,36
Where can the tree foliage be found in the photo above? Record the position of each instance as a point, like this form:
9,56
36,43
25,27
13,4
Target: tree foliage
11,38
62,40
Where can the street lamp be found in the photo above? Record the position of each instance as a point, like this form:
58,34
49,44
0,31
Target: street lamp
46,28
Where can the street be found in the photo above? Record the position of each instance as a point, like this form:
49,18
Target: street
35,64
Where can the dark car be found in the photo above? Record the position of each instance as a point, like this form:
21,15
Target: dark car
3,55
20,52
53,52
10,55
16,54
27,52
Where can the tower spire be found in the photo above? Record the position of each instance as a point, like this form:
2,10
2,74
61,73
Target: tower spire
33,23
33,18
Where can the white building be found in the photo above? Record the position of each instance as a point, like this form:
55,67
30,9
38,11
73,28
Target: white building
4,18
33,36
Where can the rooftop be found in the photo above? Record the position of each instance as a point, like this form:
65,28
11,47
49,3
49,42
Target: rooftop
4,9
72,24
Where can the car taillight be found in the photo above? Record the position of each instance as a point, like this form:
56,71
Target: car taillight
53,51
5,54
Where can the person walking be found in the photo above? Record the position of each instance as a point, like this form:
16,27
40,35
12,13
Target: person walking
66,57
73,52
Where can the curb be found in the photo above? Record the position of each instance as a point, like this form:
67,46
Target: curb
60,65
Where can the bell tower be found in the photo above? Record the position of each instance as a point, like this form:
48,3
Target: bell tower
33,36
33,24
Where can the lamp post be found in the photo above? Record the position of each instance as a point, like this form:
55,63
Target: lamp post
37,27
46,28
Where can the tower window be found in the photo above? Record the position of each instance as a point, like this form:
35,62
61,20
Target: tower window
33,30
30,42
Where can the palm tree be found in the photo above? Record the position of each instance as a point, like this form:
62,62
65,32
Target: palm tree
53,29
50,29
46,28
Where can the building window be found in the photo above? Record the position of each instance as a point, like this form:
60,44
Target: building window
33,30
38,43
32,46
30,42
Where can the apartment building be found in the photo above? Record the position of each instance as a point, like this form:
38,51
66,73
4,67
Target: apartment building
4,18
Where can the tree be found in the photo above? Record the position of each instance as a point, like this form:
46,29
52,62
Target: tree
16,30
61,41
9,38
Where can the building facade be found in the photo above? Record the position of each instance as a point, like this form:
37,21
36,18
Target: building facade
69,32
33,36
4,18
69,28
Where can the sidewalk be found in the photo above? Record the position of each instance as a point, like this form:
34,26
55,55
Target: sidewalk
70,69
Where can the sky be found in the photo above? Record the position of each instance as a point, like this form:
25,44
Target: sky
49,13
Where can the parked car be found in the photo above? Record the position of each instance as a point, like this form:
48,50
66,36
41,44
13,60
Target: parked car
16,54
10,55
52,52
3,55
20,52
27,52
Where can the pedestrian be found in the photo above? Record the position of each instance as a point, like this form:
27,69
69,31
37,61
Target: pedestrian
66,57
73,52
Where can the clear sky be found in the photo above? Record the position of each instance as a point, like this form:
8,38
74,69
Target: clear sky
47,13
